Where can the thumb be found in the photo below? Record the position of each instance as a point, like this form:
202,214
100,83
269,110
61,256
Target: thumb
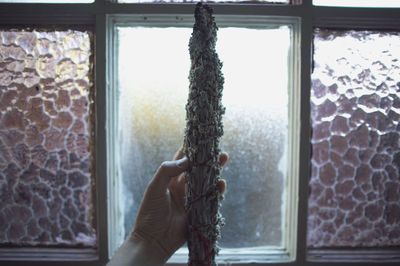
166,172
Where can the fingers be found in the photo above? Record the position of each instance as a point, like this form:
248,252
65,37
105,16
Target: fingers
223,158
166,172
179,154
222,186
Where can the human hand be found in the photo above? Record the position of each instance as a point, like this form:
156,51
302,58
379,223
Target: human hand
161,222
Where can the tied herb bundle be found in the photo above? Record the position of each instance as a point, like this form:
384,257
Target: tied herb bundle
203,131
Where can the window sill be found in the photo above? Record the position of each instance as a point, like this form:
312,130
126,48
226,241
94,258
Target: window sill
48,254
354,255
239,255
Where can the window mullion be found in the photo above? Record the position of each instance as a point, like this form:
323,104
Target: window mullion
350,13
49,10
304,173
100,138
47,15
226,9
380,23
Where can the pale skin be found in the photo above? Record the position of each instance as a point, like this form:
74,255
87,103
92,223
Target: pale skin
160,227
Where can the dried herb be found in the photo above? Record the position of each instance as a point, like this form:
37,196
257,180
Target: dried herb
204,128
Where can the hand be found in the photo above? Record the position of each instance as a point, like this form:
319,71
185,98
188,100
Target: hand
161,224
162,217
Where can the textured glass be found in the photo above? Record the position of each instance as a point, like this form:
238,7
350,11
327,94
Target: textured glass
47,1
45,136
358,3
355,111
153,76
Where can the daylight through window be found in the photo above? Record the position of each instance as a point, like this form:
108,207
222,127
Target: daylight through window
153,76
358,3
46,133
355,112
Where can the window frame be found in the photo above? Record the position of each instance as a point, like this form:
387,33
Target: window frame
288,251
94,16
383,255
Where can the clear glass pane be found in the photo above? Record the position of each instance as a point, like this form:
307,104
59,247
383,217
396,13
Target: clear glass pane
355,111
193,1
358,3
47,1
153,76
45,137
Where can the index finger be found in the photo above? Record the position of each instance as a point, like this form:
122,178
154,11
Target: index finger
165,173
179,154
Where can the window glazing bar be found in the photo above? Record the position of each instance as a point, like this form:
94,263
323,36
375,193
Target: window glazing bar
100,139
357,23
53,20
305,133
355,12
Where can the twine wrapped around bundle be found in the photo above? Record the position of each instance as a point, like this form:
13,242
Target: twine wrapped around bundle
203,131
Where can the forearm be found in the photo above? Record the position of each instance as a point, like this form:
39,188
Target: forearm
136,252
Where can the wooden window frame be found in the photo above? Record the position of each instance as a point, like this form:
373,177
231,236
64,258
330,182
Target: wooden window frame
287,252
93,16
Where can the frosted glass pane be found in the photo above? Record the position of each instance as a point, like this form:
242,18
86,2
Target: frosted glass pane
45,136
153,76
217,1
355,111
358,3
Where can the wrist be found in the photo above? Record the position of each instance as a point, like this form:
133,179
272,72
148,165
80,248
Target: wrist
148,249
139,252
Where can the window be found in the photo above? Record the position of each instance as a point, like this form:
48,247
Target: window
221,1
46,1
152,96
46,134
354,200
359,3
336,196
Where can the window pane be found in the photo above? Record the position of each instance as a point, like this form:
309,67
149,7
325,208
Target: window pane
217,1
47,1
358,3
45,136
153,76
355,111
